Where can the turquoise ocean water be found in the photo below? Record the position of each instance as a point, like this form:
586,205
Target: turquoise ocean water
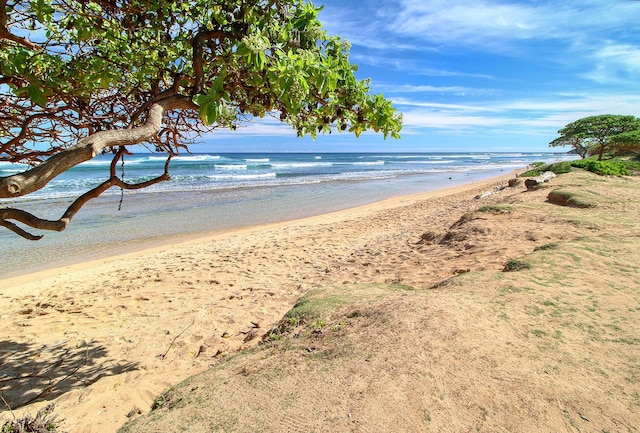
209,192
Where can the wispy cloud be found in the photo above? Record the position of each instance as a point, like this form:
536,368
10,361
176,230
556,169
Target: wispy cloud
446,107
408,88
498,24
615,62
265,127
539,115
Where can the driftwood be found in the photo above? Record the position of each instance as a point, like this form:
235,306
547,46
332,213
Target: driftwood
536,182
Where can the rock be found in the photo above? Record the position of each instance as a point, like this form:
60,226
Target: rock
427,237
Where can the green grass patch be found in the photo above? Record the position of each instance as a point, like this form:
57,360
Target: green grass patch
565,197
546,247
497,209
516,265
313,306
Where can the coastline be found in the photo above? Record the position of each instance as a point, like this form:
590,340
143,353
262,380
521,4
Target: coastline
113,249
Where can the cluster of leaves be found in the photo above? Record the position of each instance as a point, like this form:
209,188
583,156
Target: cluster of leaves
602,135
611,167
559,167
43,422
535,169
82,77
71,68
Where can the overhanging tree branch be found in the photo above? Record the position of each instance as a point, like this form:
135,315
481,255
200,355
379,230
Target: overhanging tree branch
101,75
6,34
32,180
58,225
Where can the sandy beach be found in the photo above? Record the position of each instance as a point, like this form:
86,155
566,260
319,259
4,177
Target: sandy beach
104,339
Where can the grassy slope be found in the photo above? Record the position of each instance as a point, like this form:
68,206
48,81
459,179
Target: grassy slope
553,347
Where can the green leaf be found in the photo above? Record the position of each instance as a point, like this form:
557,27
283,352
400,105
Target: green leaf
36,95
211,112
242,49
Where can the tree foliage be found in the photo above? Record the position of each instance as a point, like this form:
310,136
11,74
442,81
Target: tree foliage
80,78
627,141
601,135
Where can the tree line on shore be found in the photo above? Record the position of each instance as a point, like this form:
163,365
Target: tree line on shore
604,136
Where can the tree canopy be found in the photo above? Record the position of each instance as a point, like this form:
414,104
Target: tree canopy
601,135
80,78
627,141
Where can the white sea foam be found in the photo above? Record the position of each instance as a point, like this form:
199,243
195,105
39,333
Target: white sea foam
301,164
435,161
360,163
199,157
231,167
242,176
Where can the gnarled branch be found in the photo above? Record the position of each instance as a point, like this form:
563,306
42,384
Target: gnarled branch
6,34
198,62
36,178
58,225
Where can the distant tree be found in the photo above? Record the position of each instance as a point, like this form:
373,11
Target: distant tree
80,78
594,135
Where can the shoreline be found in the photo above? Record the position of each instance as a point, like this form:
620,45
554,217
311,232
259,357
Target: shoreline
182,239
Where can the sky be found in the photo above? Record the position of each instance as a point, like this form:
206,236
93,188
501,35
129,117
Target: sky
474,75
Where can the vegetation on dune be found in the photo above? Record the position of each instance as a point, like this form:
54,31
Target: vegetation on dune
611,167
43,422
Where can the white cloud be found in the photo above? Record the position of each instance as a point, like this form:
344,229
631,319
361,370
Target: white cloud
533,117
257,127
445,107
497,24
408,88
615,62
465,22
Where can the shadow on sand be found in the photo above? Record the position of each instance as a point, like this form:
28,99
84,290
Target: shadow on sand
30,373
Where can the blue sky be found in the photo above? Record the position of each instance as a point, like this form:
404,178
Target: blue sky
483,75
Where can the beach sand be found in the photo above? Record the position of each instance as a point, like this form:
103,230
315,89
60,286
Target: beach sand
459,345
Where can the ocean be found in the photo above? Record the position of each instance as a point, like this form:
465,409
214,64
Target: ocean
212,192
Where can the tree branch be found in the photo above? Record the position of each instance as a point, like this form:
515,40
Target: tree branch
198,62
6,34
62,223
36,178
